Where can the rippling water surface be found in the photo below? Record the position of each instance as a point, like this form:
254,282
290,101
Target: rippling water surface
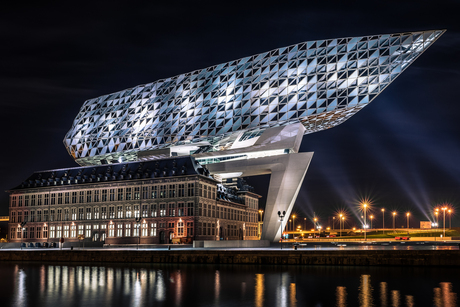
225,285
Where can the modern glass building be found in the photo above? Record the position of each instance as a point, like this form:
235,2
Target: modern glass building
320,84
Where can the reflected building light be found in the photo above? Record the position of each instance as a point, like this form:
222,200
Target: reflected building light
292,295
136,293
118,280
71,278
259,290
283,290
217,286
160,293
64,278
102,275
243,289
110,285
20,296
144,278
86,281
126,282
410,301
449,298
383,294
179,288
50,279
341,296
395,298
365,291
79,277
42,279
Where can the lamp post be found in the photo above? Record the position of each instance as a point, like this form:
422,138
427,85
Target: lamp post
305,223
22,231
450,218
293,222
340,223
260,223
408,215
314,222
364,226
394,215
444,222
281,216
383,223
138,219
343,224
372,217
289,225
436,212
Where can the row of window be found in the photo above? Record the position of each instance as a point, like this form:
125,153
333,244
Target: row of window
131,211
97,231
96,213
116,194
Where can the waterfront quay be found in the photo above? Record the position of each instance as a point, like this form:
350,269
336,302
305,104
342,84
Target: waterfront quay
368,254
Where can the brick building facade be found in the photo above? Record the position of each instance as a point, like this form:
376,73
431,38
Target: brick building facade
163,201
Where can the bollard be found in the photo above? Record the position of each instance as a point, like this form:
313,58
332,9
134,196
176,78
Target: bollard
71,248
295,247
169,247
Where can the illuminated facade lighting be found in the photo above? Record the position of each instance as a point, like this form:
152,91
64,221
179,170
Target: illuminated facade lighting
247,117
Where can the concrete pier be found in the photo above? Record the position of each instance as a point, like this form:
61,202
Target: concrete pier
269,257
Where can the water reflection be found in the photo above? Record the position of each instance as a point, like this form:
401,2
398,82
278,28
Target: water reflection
259,290
395,298
443,296
365,291
341,294
20,294
167,285
383,294
292,295
410,301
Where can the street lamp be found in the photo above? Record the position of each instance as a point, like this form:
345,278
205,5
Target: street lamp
343,224
138,219
365,231
436,212
383,223
340,223
22,231
450,218
444,223
293,222
305,223
408,215
314,224
281,216
394,215
372,217
289,225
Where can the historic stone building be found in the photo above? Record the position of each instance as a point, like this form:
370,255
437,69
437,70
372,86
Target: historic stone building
162,201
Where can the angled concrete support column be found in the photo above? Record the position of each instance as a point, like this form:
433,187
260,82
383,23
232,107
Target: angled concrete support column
287,174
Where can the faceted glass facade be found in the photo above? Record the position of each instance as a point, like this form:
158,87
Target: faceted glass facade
319,83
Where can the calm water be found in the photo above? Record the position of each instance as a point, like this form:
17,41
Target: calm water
213,285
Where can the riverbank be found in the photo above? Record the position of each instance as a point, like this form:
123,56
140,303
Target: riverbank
272,257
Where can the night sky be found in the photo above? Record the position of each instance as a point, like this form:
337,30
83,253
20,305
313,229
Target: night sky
401,152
